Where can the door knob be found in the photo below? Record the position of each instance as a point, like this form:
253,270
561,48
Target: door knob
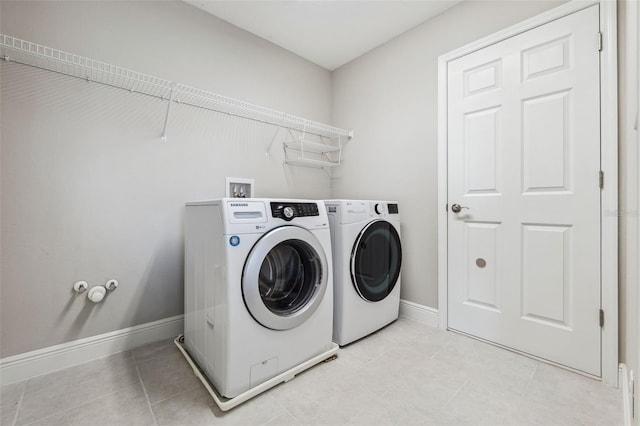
457,208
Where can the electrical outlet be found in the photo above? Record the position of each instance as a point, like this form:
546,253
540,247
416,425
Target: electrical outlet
240,188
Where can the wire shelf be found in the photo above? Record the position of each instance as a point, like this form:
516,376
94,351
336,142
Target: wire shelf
309,162
29,53
33,54
305,145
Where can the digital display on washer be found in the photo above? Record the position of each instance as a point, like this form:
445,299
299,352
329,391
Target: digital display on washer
393,208
287,211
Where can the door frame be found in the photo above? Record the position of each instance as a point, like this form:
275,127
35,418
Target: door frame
608,162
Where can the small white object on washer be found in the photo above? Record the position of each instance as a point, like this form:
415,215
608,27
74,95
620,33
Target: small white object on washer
258,288
367,256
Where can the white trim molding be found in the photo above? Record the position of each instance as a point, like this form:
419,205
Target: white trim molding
609,165
633,28
42,361
627,394
609,197
420,313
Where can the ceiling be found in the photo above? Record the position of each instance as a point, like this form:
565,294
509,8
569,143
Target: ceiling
329,33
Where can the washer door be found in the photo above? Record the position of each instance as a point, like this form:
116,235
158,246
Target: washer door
285,277
375,260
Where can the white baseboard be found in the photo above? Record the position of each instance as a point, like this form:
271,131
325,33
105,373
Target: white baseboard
627,393
35,363
423,314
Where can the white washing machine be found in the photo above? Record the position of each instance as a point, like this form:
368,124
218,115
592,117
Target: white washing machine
258,288
367,256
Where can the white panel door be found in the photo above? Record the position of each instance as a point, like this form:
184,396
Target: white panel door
524,161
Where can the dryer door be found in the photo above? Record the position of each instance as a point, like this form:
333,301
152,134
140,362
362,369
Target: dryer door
285,277
375,260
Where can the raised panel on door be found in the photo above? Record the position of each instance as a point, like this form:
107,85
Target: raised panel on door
523,159
482,78
545,142
481,131
546,275
547,58
482,241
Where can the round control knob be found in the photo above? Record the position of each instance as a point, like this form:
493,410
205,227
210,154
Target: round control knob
288,213
378,208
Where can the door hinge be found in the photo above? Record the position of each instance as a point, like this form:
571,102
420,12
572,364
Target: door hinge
601,318
599,42
601,179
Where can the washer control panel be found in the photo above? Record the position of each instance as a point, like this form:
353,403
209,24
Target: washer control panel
287,211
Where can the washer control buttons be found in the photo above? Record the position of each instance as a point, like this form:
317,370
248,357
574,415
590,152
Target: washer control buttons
287,211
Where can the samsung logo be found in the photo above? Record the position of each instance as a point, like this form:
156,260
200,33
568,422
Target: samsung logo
239,205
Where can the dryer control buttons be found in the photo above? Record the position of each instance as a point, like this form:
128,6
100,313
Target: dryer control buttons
382,208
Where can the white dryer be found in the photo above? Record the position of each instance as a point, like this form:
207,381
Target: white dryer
258,288
367,256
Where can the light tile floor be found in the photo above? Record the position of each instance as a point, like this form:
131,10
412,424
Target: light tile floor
405,374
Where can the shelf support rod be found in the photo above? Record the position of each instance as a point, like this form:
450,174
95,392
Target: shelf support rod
273,139
304,136
166,118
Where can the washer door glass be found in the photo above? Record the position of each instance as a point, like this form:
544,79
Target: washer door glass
285,277
375,260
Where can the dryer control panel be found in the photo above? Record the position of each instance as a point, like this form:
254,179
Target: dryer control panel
289,210
382,208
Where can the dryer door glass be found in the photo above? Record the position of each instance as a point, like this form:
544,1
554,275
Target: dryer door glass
285,277
375,260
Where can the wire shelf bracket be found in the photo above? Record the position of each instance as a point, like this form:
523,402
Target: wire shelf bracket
47,58
323,152
166,119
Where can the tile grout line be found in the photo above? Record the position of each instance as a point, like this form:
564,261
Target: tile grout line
66,410
176,394
144,389
459,390
15,416
40,420
441,349
526,388
275,415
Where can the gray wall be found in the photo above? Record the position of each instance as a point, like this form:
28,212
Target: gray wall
89,191
389,98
